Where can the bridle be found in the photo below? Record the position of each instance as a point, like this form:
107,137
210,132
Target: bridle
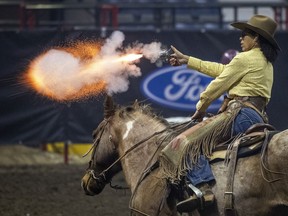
102,177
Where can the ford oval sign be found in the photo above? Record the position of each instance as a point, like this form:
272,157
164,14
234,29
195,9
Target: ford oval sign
177,87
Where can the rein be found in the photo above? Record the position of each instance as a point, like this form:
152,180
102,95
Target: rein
96,142
102,175
268,136
149,170
131,149
135,146
146,172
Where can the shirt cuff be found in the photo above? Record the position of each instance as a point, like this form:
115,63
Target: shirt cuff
194,63
200,107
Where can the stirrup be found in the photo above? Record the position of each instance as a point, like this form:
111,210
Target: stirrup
195,201
198,194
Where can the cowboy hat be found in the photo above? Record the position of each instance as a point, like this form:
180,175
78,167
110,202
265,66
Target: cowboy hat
263,25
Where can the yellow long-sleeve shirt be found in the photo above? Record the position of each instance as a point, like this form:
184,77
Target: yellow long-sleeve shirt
248,74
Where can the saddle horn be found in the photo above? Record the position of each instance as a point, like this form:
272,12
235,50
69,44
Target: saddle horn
109,107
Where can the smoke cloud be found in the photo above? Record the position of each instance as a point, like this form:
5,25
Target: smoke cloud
89,68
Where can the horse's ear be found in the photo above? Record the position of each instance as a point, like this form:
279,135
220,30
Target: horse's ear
136,104
109,107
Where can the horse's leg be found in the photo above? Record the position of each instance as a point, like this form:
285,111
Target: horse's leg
153,197
150,197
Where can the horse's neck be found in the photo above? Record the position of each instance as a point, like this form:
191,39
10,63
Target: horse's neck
135,162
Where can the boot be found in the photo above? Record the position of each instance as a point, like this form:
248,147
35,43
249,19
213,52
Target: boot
200,198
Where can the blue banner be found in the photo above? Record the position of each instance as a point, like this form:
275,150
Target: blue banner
177,87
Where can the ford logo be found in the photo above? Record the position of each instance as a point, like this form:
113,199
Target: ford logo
177,87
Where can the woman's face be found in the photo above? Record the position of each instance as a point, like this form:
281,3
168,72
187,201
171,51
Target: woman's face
248,40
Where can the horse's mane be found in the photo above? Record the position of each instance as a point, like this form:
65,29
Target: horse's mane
172,129
146,109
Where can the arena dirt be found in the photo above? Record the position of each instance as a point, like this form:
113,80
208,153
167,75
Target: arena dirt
37,183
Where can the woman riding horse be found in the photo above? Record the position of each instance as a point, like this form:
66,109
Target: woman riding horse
248,79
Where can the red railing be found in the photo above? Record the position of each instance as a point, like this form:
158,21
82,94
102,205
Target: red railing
163,14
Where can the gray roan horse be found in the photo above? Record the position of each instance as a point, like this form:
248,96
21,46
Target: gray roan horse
131,138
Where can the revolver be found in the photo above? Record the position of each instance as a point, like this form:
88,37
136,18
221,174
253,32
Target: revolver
165,55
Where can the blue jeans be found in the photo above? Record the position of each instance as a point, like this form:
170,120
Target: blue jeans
202,171
245,118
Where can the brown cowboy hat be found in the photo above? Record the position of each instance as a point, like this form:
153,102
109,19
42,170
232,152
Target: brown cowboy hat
263,25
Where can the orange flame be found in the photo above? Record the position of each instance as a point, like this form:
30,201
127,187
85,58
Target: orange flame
38,83
47,84
44,84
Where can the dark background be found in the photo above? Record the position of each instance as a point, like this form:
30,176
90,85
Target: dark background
26,117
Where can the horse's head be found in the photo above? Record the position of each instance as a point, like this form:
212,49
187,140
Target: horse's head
105,152
127,134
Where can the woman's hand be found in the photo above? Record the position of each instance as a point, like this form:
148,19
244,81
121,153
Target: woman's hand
198,116
177,58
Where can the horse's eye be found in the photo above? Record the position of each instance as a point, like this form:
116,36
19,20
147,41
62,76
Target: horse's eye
110,138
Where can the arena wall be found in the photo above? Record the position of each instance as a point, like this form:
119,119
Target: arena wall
27,117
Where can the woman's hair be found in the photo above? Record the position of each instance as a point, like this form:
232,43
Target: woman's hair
269,51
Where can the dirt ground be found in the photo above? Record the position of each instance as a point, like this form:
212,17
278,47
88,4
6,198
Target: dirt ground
37,183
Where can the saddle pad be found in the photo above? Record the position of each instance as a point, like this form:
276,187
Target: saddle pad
243,152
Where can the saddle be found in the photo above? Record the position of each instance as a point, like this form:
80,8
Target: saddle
247,144
250,144
255,138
